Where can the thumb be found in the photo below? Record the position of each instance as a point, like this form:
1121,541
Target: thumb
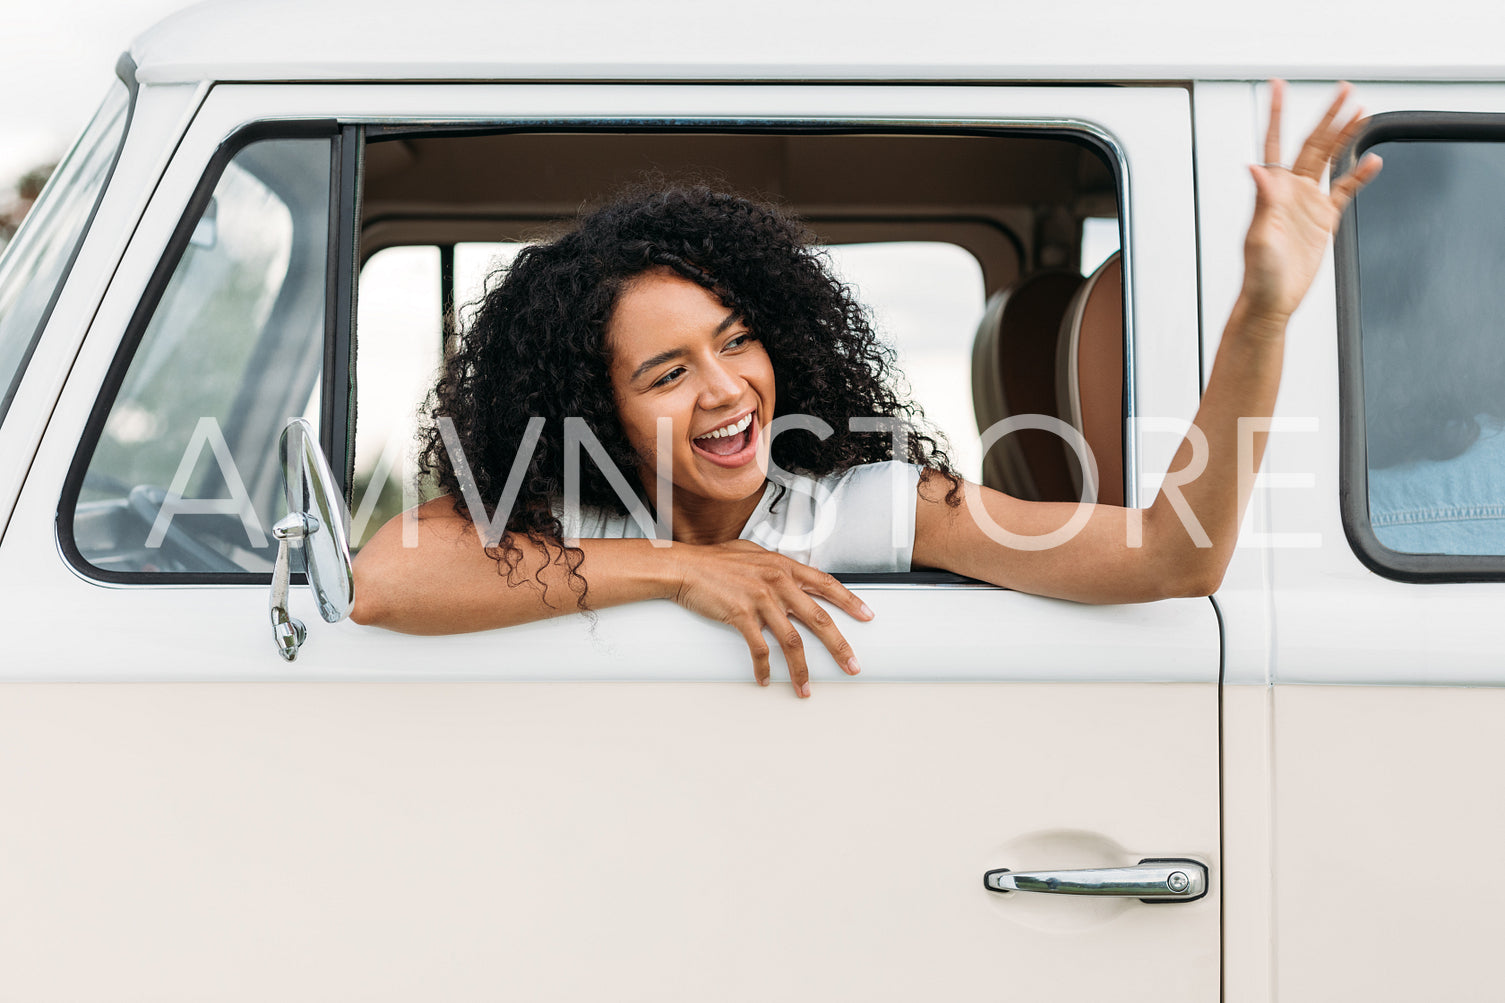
1262,182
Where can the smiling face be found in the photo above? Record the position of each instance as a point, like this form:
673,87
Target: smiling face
679,352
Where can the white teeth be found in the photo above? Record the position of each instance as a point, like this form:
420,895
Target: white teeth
732,429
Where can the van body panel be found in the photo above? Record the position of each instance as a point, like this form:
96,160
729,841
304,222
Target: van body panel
591,840
1369,779
1386,707
1338,621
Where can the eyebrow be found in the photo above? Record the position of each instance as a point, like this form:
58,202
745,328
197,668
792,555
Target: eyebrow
674,353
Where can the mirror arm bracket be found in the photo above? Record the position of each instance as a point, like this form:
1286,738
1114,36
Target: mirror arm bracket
322,537
287,629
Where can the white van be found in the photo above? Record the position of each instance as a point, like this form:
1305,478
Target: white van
1290,791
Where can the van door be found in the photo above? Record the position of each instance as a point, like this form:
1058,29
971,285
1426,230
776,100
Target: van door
560,810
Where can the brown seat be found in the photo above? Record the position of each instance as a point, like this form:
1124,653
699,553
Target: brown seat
1090,376
1014,373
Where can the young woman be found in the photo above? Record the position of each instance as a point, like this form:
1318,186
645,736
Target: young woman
665,336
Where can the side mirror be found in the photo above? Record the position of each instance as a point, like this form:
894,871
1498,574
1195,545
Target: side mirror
315,524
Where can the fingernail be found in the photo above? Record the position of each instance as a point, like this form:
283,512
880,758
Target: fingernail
853,667
762,682
804,689
867,611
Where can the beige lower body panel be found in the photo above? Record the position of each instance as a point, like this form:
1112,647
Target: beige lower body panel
591,841
1389,828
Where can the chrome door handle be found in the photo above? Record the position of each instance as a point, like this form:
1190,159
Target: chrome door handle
1153,879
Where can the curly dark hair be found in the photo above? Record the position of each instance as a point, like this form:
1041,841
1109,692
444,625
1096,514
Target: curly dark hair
536,347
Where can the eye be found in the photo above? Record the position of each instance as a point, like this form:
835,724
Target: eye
740,341
669,377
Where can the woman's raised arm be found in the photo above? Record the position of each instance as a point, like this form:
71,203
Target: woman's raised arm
1129,555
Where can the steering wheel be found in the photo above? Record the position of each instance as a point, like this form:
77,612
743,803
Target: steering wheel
144,501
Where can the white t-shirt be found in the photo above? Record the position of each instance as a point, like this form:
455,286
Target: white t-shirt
861,519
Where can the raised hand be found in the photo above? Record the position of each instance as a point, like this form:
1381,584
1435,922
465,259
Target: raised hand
752,589
1293,217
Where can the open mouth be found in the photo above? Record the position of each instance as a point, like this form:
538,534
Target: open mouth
731,445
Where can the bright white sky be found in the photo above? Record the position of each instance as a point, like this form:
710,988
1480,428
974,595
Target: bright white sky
58,61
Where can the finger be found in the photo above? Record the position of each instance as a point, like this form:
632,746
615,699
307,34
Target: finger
813,615
1346,187
819,583
1272,136
1346,134
1335,144
793,644
1317,150
757,646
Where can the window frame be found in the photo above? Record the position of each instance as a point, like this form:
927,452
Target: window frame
125,72
1353,458
335,395
338,399
1098,140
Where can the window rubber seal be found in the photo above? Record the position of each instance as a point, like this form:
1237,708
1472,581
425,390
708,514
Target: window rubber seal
146,308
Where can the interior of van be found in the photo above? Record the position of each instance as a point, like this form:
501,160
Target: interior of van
990,260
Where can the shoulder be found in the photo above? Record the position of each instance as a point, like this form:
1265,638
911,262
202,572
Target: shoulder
858,519
870,476
437,515
890,483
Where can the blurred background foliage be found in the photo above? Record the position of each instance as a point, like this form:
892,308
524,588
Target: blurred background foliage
16,202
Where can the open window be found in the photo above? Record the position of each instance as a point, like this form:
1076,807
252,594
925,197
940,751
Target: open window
934,229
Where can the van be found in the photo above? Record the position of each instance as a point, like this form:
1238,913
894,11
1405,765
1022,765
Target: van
279,211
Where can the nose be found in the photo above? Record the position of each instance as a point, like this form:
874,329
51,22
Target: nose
722,386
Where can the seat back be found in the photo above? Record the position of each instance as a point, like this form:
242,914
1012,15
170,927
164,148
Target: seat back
1013,373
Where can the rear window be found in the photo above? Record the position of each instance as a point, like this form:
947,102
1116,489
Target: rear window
1425,365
